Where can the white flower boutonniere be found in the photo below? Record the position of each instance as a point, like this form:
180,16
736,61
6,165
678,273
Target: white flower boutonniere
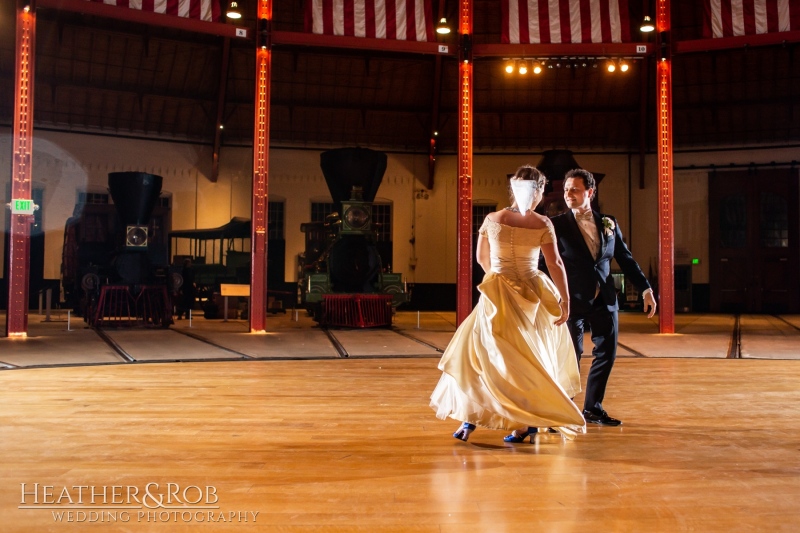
608,226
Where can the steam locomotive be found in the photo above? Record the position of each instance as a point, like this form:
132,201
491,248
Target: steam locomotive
343,280
115,266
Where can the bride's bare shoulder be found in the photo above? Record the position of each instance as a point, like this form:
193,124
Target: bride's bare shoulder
541,220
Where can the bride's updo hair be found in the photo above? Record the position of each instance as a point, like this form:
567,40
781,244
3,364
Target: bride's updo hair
528,173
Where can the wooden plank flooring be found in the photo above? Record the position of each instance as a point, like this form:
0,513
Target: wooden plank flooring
350,445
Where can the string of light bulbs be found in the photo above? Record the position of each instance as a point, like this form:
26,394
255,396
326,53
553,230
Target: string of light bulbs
525,65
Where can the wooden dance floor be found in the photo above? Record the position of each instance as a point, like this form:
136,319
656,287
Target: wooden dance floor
347,445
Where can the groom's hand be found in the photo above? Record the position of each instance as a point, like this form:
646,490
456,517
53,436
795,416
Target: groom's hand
649,303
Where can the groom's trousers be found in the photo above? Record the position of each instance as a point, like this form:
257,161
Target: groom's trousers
604,325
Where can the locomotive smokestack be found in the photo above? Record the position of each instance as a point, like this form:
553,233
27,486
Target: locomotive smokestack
135,195
346,168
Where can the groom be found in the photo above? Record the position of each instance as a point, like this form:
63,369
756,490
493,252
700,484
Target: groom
587,241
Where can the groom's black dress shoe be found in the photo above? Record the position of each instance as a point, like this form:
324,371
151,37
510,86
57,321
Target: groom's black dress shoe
600,418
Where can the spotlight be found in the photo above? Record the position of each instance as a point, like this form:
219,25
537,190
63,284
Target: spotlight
647,25
442,28
611,66
523,67
509,66
623,65
537,68
233,11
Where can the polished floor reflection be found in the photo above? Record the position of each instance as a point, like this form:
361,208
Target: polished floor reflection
349,444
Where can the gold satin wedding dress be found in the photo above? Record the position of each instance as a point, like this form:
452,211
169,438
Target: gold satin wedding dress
508,366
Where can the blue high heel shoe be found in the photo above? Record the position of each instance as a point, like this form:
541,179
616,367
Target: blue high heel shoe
464,431
518,436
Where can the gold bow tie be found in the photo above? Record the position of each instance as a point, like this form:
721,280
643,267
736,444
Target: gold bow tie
584,216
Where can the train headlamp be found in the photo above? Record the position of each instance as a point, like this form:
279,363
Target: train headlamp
356,217
136,236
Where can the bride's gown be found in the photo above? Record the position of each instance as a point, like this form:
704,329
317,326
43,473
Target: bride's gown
508,366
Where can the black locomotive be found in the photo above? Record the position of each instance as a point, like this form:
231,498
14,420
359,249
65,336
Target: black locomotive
115,267
343,280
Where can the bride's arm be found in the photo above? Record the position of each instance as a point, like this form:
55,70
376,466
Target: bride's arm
559,276
482,254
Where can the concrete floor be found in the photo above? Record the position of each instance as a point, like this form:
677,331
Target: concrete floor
65,340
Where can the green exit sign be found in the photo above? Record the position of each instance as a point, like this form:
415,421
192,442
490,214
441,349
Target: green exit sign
22,207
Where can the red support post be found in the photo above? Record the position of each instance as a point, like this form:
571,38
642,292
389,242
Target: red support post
20,230
464,227
260,203
666,237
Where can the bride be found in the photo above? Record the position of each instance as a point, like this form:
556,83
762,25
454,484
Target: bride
511,364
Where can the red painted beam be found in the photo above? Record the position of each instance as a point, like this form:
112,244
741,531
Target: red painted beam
564,50
666,236
20,229
744,41
260,203
144,17
465,135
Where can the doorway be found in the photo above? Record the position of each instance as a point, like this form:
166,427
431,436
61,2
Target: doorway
753,241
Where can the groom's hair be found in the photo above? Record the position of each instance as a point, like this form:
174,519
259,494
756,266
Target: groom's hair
585,175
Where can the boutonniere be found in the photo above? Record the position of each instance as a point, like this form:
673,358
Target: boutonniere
608,226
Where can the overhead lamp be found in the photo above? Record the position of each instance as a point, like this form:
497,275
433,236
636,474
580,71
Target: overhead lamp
509,66
537,68
647,25
233,11
611,66
523,67
623,65
442,28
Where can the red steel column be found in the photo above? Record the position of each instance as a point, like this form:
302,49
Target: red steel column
464,228
666,236
20,230
258,236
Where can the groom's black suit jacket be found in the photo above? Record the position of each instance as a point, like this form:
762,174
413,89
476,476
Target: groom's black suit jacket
584,272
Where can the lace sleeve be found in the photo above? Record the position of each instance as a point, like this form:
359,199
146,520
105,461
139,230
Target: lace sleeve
484,227
490,229
549,236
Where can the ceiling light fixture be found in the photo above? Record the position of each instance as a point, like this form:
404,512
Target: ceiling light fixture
647,25
442,28
233,11
623,65
537,68
523,67
611,66
509,66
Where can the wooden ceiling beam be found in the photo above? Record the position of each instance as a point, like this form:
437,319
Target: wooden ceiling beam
289,38
564,50
744,41
144,17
